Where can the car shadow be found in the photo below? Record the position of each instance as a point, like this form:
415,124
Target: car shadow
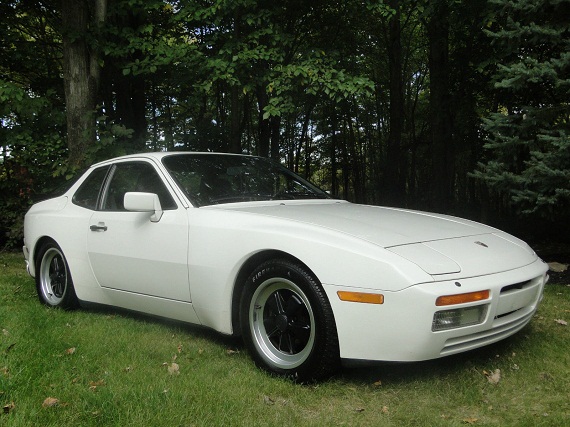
196,331
355,373
386,373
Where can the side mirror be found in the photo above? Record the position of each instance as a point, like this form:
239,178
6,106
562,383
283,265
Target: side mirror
144,202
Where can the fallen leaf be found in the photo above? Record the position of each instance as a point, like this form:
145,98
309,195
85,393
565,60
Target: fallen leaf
470,420
179,348
231,352
561,322
173,369
70,350
384,410
5,371
359,410
377,383
493,377
5,332
268,401
93,385
9,407
49,402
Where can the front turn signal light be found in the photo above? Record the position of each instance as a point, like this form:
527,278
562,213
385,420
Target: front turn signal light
462,298
362,297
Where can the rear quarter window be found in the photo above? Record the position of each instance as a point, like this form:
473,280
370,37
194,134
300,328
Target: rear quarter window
87,195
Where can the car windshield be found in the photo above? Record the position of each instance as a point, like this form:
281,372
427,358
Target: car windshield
209,179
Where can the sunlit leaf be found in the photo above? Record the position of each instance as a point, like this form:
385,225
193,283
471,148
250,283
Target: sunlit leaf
174,369
493,377
49,402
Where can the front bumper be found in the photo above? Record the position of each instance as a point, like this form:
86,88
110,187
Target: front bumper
400,329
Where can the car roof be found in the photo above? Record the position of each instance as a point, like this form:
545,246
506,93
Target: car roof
160,155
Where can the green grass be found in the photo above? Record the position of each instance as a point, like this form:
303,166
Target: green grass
117,374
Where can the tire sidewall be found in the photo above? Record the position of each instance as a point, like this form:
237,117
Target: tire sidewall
316,364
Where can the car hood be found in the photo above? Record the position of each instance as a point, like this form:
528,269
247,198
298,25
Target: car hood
439,244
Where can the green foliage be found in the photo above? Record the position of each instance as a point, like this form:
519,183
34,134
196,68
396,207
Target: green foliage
32,154
309,83
528,143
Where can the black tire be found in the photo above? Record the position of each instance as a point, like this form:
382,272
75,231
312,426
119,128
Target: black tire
53,279
287,322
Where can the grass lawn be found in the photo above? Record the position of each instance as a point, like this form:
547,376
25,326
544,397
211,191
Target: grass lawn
101,368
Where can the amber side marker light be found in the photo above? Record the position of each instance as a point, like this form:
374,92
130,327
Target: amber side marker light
361,297
462,298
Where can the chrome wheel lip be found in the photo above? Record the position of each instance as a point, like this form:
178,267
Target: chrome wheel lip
53,276
272,355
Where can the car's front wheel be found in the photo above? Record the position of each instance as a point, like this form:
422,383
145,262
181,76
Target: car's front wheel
287,322
53,279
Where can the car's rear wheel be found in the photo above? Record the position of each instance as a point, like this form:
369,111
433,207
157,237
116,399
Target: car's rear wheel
287,322
53,279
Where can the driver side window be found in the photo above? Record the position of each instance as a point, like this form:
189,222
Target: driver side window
135,176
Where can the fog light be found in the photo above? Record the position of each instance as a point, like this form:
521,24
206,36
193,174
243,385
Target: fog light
459,317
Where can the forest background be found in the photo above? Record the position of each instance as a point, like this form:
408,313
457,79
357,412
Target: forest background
460,107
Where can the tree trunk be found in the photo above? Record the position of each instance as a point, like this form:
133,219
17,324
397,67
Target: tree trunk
394,184
264,129
81,74
235,118
440,110
275,124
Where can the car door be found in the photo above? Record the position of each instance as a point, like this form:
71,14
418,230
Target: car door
129,252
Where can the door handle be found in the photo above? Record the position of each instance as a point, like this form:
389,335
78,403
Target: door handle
99,227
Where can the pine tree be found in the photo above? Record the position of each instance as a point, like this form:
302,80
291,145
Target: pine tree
528,136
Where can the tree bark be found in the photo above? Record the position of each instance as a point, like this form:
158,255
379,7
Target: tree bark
394,178
440,109
81,74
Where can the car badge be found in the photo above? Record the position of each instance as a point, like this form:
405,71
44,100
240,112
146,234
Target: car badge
481,244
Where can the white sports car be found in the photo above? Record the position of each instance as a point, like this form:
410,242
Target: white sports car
243,246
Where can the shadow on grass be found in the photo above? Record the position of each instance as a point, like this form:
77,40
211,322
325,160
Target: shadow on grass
196,331
367,373
359,373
